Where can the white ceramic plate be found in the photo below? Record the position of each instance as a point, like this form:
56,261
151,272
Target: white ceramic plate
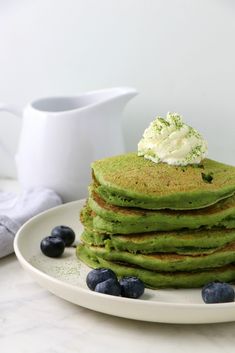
65,277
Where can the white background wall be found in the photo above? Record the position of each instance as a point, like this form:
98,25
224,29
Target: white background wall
179,54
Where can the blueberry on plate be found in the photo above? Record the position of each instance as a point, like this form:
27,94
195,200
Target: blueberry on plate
99,275
131,287
52,246
65,233
111,286
217,292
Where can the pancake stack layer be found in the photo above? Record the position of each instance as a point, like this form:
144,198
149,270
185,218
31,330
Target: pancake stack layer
170,226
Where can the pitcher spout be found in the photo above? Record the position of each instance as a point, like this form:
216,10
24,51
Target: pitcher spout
113,98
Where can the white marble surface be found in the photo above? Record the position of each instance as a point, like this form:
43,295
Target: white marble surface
33,320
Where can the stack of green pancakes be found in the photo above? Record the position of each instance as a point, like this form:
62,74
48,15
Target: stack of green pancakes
170,226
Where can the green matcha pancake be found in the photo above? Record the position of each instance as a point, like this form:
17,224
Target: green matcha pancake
181,242
114,219
157,279
168,262
132,181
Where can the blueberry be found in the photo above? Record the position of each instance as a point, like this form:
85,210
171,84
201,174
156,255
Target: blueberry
65,233
131,287
217,292
52,246
111,286
99,275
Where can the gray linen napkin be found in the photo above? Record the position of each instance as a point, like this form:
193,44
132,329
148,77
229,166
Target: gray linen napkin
16,209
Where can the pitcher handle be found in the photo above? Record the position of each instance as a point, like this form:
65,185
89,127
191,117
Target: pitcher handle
13,109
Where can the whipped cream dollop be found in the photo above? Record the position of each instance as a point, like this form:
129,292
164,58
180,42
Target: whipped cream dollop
171,141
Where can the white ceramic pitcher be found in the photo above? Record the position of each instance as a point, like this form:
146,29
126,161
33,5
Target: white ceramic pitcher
61,136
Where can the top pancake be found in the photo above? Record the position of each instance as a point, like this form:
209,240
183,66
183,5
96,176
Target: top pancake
132,181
